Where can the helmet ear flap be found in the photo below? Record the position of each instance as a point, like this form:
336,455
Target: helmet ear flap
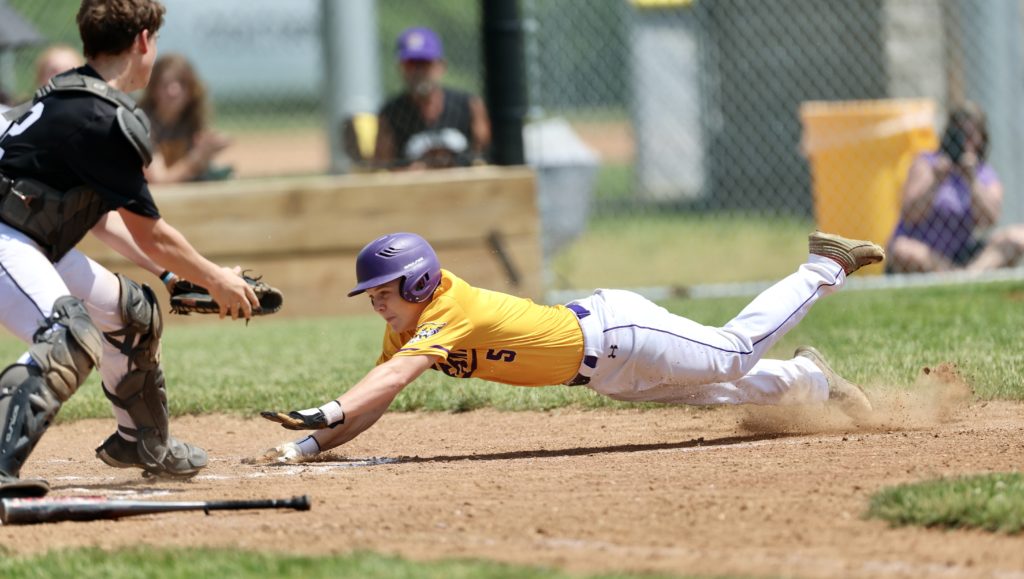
423,282
416,290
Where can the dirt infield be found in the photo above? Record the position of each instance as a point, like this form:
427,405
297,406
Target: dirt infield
688,490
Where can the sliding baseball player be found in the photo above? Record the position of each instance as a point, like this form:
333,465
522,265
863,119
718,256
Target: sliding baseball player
614,342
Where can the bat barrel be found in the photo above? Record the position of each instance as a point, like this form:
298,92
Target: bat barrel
299,503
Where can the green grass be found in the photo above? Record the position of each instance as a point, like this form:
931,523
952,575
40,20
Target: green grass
680,250
283,364
873,337
614,183
884,337
181,563
881,338
993,502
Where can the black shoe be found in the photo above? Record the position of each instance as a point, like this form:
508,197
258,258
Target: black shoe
12,487
119,453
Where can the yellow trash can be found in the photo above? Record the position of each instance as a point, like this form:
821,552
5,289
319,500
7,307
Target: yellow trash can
860,152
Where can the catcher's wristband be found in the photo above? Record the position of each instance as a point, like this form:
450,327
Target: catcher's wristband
167,276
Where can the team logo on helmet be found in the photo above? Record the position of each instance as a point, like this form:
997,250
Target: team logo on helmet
426,330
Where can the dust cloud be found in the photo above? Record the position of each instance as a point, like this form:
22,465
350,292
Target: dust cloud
932,399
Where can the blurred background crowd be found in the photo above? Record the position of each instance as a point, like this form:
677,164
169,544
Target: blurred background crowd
653,125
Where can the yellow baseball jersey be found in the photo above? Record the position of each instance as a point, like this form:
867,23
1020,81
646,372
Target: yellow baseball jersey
477,333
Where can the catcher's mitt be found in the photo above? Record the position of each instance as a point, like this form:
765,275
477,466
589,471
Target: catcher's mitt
189,298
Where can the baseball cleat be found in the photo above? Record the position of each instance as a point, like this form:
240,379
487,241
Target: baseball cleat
847,395
172,458
852,254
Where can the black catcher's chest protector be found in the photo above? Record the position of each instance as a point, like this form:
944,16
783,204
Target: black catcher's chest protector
131,119
58,220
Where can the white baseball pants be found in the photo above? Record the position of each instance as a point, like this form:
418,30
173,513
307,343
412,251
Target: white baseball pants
30,284
645,353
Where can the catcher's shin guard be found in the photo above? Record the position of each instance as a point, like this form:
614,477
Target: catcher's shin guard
27,406
142,394
66,348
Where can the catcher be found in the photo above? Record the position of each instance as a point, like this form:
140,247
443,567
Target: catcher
71,163
614,342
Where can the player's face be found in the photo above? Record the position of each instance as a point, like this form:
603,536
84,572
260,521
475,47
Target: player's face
172,94
422,76
388,303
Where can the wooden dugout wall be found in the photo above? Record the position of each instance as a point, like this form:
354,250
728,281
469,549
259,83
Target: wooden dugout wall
303,234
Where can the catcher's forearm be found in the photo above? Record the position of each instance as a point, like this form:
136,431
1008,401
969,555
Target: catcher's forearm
169,248
112,231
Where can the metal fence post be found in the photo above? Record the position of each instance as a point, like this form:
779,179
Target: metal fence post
998,92
352,70
504,83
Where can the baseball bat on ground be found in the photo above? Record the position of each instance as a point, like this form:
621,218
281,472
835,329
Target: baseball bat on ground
44,510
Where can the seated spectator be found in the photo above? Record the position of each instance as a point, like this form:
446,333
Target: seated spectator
429,125
952,199
54,60
184,144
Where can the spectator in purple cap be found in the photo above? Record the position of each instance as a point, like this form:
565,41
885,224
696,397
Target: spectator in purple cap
429,125
952,200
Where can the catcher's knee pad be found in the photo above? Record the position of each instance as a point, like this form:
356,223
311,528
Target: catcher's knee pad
66,347
27,406
142,393
139,339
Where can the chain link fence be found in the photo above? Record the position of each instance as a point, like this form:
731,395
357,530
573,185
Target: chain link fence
705,135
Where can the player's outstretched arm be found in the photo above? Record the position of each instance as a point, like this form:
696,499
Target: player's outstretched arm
354,411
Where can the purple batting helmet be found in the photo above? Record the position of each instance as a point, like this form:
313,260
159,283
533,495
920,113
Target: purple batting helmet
404,256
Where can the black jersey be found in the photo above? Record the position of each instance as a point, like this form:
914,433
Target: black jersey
70,139
414,139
